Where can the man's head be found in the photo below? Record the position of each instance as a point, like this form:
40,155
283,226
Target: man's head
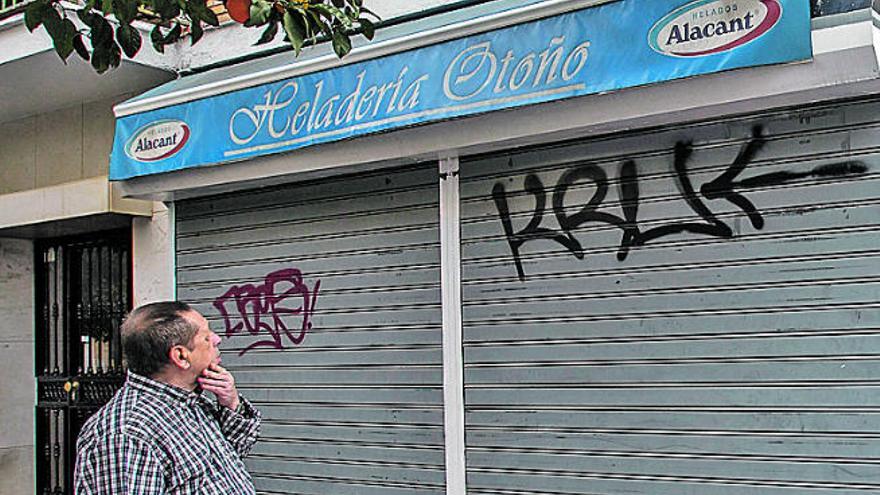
170,339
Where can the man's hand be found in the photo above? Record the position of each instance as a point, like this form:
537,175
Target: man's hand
220,382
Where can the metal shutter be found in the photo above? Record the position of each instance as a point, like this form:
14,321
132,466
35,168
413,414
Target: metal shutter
729,345
352,399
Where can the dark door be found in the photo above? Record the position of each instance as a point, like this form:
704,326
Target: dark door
83,293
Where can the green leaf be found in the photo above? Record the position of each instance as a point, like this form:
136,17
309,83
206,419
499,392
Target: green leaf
259,13
107,7
85,16
129,39
295,31
341,43
196,32
106,56
156,38
210,17
33,15
52,22
167,9
102,32
173,35
64,41
313,20
115,55
80,47
199,11
368,11
101,58
304,16
125,10
331,12
269,34
367,27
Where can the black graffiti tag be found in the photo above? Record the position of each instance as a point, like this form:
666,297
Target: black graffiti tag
712,226
724,187
264,309
531,231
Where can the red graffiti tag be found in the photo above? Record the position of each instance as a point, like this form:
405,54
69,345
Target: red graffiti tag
265,308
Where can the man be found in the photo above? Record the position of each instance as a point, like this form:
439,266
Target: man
159,435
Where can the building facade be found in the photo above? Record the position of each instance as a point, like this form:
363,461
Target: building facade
59,211
617,273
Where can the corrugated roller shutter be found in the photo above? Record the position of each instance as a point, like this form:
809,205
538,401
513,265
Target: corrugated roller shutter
697,312
351,386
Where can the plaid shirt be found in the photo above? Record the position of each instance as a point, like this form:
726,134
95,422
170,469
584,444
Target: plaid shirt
153,438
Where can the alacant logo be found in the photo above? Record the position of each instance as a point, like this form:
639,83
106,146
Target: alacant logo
158,140
705,27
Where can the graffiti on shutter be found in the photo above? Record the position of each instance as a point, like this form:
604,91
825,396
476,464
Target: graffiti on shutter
266,308
724,186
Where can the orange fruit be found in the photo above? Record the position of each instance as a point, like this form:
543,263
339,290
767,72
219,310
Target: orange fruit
239,10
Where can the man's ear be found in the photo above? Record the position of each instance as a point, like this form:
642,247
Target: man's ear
179,357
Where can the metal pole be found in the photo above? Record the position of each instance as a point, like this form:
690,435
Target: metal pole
450,282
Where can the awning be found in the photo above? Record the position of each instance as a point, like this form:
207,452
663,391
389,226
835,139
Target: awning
466,64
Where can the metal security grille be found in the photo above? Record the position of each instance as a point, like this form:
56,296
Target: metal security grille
327,297
679,310
83,293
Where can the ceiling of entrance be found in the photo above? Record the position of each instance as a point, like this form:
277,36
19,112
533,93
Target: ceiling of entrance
41,83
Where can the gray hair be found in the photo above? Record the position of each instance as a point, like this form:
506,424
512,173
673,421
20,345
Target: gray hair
150,331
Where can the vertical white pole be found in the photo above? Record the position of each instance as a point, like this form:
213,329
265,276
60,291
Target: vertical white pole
172,234
450,282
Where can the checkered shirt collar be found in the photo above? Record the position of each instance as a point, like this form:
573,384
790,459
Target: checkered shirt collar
166,392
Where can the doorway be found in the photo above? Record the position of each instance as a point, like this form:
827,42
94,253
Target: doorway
83,292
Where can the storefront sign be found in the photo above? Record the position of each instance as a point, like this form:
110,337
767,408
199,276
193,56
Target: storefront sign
616,45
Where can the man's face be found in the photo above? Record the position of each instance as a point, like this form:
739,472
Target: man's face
204,350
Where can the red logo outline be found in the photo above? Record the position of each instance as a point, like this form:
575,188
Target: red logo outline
774,13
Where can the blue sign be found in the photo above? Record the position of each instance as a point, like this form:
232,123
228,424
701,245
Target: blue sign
612,46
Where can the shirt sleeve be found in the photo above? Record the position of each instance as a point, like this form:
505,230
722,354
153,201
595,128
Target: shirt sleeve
118,465
242,426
